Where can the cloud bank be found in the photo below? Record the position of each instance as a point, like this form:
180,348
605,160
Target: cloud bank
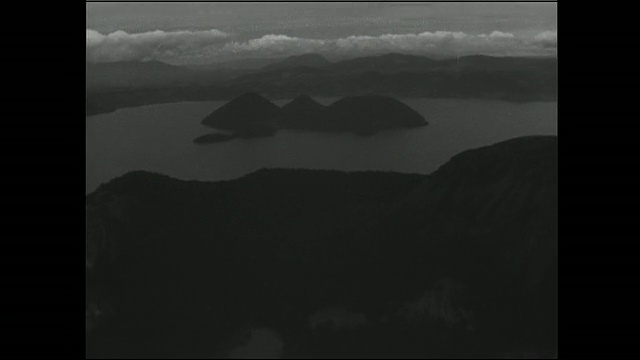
217,45
547,39
122,46
440,43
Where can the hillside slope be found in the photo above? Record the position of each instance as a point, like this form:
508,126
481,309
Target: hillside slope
461,263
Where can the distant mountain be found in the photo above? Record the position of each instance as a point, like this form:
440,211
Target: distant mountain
502,64
394,75
462,263
239,64
412,76
135,74
308,60
388,63
242,113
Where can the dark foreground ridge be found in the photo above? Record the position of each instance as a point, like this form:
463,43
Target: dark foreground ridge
251,115
460,263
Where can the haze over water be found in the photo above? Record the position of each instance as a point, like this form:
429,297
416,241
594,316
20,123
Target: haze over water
160,137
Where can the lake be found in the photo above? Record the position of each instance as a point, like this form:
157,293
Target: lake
160,137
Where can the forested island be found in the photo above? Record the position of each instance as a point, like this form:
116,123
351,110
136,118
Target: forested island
251,115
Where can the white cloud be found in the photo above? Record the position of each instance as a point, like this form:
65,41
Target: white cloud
394,42
270,45
429,43
498,35
120,45
547,39
215,44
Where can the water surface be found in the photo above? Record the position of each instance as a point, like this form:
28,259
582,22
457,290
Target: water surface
160,138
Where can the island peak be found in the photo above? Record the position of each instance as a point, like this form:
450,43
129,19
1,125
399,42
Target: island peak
251,115
242,112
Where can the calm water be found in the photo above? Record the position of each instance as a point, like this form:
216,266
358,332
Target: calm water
159,138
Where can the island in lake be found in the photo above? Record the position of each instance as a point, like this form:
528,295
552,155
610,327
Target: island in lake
251,115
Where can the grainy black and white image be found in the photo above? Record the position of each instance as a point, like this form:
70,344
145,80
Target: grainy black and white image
321,180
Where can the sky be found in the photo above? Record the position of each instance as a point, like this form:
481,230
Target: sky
202,33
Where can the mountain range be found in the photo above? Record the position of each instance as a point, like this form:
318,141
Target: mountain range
459,263
114,85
